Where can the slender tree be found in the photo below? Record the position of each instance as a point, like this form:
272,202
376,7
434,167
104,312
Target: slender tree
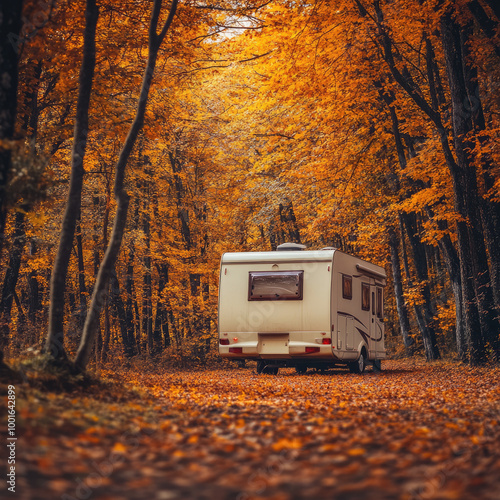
55,338
122,198
10,27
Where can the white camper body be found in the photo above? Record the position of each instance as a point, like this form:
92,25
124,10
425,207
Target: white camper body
301,308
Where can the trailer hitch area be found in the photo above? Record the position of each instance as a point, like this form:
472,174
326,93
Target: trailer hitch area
270,367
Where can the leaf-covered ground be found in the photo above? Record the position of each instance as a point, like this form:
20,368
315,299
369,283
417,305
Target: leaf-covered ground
414,431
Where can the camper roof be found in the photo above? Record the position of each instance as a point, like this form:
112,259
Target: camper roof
283,256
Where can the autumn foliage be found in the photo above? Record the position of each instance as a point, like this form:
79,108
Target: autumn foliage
366,125
173,132
414,431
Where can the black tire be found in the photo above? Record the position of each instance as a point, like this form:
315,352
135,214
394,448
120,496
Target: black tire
301,369
377,365
359,365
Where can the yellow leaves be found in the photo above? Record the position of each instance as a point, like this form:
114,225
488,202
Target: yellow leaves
119,448
413,424
356,452
287,444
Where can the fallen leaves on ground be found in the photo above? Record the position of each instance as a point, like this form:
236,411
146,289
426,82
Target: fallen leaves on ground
414,431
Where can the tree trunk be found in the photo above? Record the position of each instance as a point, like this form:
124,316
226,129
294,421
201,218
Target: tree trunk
55,339
35,302
161,322
82,289
480,322
404,322
147,313
10,26
122,198
423,312
476,284
129,308
119,306
11,275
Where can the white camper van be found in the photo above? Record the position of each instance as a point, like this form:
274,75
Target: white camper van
301,308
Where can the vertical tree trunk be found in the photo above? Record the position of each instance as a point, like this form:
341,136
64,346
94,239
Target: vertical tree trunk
82,289
476,284
423,312
11,275
161,322
129,308
147,313
404,322
10,27
34,295
107,330
481,324
119,306
55,338
122,198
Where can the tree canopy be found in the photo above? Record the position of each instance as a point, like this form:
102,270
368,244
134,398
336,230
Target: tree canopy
371,126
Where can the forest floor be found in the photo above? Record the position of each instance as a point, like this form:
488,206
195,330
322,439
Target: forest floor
413,431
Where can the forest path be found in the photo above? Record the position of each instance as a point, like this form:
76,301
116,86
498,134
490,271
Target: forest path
414,431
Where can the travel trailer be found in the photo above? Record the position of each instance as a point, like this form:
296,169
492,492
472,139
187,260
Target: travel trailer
301,308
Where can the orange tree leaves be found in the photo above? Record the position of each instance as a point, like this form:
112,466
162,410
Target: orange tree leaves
412,431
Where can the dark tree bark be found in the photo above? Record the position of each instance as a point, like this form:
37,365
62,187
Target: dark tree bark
404,322
476,283
122,198
129,308
487,24
182,211
289,222
82,288
35,302
161,321
480,316
11,275
55,339
423,312
495,7
147,313
10,27
119,306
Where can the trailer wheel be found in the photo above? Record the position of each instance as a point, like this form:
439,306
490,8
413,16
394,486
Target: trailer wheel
377,365
359,365
301,369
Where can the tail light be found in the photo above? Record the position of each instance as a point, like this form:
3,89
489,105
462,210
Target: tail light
236,350
326,341
224,341
312,349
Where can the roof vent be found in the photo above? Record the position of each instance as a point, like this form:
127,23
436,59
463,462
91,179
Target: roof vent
290,246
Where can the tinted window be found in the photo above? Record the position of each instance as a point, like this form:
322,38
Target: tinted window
380,303
347,287
365,296
279,285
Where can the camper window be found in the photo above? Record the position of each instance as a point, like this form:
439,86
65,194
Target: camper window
279,285
347,287
380,303
365,296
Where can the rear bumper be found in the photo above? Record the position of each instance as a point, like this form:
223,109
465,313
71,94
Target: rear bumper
284,350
